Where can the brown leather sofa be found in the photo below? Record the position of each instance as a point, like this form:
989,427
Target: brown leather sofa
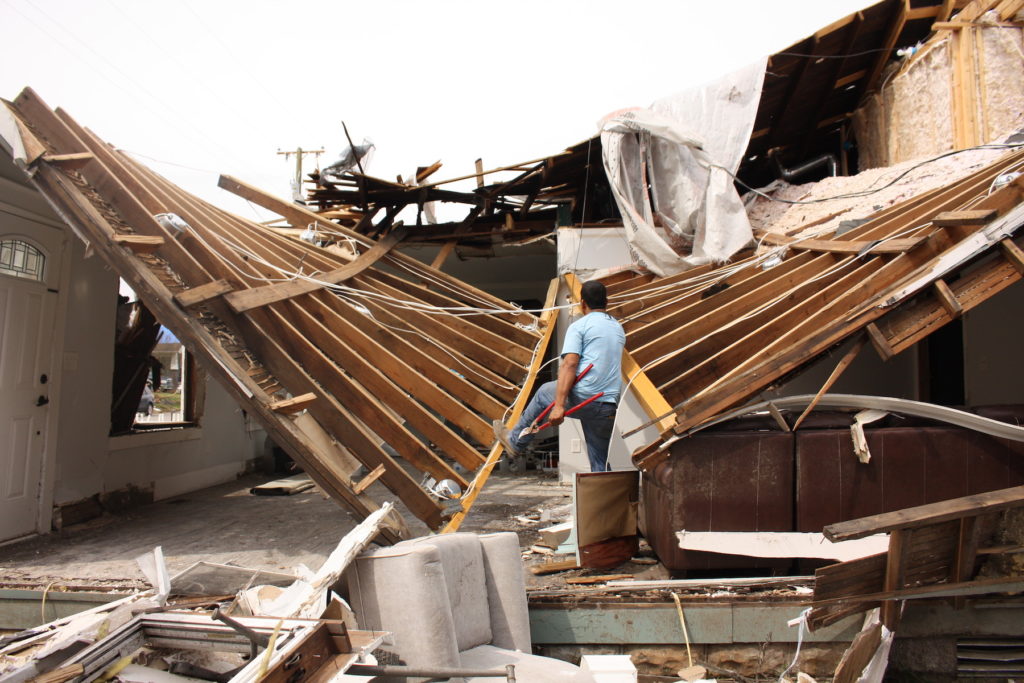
749,475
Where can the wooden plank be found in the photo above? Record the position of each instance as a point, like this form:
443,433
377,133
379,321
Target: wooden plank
195,296
604,578
443,253
886,51
805,309
298,215
857,656
71,162
373,337
779,544
848,79
128,200
232,377
554,567
499,335
366,481
374,398
547,321
499,355
694,314
890,246
966,553
932,513
288,486
915,319
948,300
262,332
248,299
925,12
950,219
1013,254
140,244
719,338
290,406
841,366
895,566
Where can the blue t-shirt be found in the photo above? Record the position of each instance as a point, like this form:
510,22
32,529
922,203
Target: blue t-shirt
597,338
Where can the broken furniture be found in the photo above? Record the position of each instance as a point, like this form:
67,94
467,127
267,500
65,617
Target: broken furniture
747,475
453,600
933,552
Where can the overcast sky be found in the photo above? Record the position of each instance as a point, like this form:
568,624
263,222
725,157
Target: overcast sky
201,88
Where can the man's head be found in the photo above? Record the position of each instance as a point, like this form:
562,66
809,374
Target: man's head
594,295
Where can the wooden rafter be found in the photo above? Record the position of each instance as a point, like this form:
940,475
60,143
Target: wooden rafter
333,379
709,344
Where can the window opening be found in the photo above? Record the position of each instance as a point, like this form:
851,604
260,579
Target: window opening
21,259
157,384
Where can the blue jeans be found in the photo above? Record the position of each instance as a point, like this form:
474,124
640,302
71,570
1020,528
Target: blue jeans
596,418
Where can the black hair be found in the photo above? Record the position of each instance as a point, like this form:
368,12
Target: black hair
594,295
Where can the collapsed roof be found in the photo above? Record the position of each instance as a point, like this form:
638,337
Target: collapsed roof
344,359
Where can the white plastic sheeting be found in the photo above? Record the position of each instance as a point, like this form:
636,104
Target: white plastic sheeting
669,168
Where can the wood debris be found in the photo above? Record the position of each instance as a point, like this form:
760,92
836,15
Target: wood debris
708,340
344,361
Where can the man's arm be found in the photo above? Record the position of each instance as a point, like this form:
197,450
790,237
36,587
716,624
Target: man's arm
566,378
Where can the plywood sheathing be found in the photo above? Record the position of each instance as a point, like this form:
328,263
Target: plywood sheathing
709,340
964,87
383,378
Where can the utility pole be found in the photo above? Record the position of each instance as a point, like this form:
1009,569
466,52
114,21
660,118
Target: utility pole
297,180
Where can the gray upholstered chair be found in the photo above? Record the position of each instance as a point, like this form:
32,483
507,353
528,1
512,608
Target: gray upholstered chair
453,600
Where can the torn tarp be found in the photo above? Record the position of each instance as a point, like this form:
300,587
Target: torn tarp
670,168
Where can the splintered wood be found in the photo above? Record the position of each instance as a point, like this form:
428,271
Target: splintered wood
933,551
345,362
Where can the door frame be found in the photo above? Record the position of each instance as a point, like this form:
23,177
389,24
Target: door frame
56,245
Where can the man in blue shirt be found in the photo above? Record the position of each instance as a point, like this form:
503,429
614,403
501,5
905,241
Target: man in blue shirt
598,339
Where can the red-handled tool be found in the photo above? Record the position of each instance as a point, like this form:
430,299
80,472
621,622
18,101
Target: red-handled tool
574,409
533,428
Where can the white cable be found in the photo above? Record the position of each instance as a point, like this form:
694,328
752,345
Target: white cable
802,620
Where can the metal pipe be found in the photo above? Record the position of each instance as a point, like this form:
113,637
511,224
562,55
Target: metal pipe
508,673
255,639
791,174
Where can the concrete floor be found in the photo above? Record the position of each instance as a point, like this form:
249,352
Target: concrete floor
227,524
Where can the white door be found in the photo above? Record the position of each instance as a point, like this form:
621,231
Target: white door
29,271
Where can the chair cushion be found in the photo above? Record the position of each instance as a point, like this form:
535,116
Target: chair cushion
529,667
403,590
506,591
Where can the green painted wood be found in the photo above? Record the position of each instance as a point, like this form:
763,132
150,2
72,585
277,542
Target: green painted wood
22,609
658,624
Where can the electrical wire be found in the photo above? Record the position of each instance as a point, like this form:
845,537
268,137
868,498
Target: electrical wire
114,67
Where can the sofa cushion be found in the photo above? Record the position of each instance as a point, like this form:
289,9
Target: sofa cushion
403,590
506,591
462,557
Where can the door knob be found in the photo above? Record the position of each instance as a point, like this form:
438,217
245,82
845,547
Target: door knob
42,400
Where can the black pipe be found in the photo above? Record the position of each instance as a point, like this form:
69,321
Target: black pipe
791,174
256,641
